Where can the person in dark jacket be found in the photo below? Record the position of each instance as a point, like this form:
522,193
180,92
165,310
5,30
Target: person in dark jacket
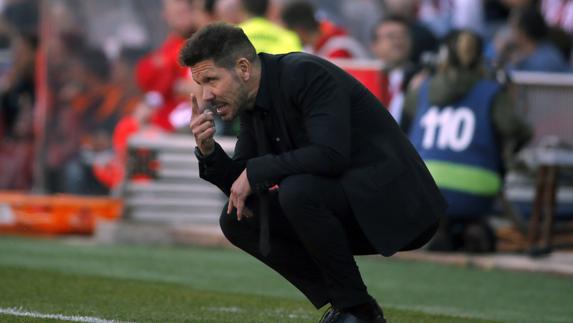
321,171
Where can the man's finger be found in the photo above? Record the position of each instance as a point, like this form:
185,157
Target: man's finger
230,204
202,119
194,106
240,205
206,135
196,120
202,127
239,213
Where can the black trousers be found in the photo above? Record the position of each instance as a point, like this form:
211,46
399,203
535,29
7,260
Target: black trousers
314,236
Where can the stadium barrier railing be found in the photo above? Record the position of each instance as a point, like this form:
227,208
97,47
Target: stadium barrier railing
544,194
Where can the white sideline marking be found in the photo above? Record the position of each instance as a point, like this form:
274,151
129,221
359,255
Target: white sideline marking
21,312
225,309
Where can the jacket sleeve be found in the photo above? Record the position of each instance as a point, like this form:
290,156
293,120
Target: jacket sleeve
512,129
324,103
220,169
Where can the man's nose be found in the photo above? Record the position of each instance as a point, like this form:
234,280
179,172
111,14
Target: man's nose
208,95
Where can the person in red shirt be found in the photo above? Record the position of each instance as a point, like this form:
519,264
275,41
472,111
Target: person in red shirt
159,72
322,38
164,83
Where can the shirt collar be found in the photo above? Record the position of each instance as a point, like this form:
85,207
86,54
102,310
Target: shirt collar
263,100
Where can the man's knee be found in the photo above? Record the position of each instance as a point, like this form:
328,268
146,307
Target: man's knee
296,191
229,224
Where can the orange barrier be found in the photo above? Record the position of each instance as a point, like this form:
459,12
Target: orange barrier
54,214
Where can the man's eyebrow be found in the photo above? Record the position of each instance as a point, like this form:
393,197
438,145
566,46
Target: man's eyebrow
198,75
203,73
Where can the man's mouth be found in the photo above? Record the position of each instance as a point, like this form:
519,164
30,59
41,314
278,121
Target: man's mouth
219,108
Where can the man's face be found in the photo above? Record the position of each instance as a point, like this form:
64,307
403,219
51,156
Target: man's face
221,88
228,11
392,44
184,17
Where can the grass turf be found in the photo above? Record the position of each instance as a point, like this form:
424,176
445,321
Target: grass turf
152,284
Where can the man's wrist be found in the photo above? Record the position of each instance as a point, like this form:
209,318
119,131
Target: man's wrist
206,152
254,176
201,156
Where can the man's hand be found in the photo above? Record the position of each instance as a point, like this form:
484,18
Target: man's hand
203,127
240,190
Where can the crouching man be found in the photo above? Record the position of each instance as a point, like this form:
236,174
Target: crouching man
321,172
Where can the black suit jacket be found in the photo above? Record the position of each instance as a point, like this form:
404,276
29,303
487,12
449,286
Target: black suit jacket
329,124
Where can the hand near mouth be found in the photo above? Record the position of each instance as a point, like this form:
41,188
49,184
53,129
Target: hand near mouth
203,127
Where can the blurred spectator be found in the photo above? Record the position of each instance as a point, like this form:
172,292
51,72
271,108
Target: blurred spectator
558,13
229,11
497,28
504,50
320,38
423,40
210,9
495,16
265,35
21,16
391,44
18,30
17,151
530,48
62,127
17,98
123,76
441,16
276,7
97,102
464,127
18,83
96,105
109,170
357,16
166,86
160,71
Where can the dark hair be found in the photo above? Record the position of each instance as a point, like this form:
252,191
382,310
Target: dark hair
256,7
466,54
22,15
210,6
300,14
221,42
531,23
390,19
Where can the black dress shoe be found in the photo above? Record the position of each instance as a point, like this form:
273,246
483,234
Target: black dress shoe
330,315
335,315
347,317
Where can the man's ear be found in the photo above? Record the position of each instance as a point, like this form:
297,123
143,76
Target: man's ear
244,68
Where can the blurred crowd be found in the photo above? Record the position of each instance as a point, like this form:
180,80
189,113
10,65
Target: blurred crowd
78,78
18,45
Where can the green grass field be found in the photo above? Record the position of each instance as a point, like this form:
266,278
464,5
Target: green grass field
160,284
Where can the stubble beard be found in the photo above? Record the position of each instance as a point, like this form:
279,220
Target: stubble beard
244,102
